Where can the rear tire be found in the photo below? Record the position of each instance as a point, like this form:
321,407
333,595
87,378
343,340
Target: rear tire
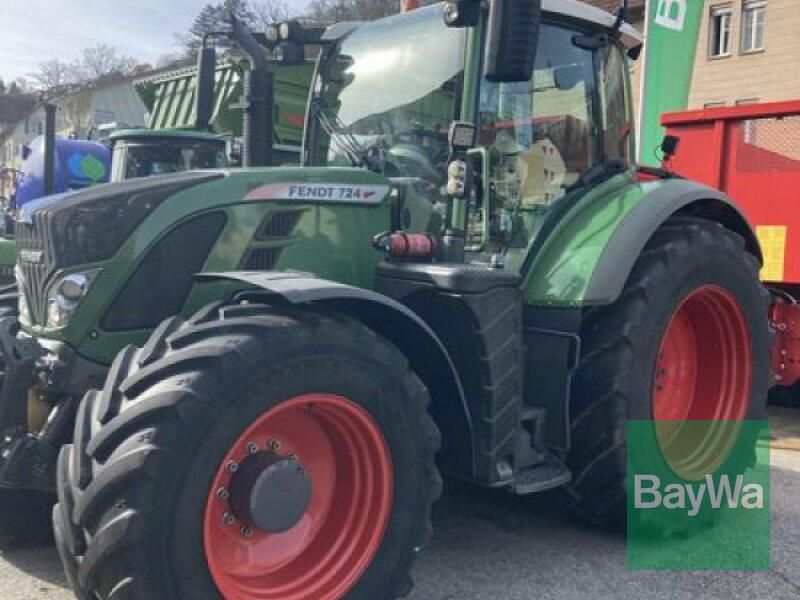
141,514
617,379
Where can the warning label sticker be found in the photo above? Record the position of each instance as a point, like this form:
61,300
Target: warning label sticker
773,244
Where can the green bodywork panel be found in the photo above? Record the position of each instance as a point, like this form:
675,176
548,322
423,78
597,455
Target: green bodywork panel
331,239
170,99
562,268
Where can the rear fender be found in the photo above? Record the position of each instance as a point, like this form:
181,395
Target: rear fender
587,258
426,354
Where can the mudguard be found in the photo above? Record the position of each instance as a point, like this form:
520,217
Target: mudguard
586,259
394,321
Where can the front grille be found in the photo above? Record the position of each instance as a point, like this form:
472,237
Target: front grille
36,263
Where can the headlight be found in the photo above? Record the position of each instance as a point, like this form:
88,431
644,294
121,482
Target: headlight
65,296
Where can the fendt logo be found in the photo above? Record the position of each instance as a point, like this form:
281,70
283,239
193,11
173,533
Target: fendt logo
671,14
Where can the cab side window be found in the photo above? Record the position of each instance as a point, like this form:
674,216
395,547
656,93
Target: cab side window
543,134
540,133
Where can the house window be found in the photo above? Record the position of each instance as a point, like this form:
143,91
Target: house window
754,17
720,35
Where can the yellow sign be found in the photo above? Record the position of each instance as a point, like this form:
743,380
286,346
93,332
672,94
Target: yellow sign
773,245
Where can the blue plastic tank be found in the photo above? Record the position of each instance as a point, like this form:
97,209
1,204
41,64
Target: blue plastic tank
78,164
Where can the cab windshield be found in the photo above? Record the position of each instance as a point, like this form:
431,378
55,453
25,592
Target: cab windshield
135,160
385,97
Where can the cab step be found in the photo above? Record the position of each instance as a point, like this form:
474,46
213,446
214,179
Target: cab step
550,473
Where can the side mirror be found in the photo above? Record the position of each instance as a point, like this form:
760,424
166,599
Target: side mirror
204,92
513,36
669,146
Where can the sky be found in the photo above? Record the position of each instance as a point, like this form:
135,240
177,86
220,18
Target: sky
32,31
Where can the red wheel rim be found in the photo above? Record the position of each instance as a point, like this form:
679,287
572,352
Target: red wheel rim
347,462
704,368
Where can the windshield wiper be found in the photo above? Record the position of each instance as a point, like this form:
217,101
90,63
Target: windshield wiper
340,135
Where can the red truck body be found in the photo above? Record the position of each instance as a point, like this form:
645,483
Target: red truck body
752,153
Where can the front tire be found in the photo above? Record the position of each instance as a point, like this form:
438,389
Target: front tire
688,339
250,454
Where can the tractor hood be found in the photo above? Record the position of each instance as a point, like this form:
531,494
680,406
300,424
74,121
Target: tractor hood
277,218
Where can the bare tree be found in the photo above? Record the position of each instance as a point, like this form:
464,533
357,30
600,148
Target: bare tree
54,75
267,12
103,61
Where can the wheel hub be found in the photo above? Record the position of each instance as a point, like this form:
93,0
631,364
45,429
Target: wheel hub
270,492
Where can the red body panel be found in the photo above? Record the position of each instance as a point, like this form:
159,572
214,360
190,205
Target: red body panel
752,153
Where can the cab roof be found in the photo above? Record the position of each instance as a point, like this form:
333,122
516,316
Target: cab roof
573,9
183,134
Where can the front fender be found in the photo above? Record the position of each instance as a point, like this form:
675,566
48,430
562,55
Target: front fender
426,354
587,258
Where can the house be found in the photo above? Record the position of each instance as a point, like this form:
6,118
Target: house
747,53
12,109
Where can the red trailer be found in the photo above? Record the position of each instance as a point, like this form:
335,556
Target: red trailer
752,152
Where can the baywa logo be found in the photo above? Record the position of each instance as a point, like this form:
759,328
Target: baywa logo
698,495
689,497
671,14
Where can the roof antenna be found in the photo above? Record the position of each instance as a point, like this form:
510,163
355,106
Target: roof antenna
622,14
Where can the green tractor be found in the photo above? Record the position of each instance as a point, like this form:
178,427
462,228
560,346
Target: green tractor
467,276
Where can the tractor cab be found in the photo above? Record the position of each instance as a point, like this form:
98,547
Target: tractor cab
378,103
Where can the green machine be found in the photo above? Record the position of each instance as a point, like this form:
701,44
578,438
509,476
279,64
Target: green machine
467,275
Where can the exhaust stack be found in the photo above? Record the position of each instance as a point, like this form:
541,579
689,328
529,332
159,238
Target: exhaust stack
204,91
49,149
259,101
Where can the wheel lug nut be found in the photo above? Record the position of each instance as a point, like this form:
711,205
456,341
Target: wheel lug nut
228,518
233,466
222,493
252,448
247,532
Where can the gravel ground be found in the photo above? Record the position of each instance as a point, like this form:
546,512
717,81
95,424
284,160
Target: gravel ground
490,545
